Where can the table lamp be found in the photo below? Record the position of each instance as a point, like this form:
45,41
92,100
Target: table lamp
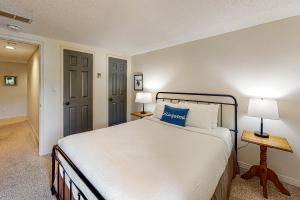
143,97
263,109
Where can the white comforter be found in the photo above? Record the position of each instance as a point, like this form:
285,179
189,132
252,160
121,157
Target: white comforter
149,160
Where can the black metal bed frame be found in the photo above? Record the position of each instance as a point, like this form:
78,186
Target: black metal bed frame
57,164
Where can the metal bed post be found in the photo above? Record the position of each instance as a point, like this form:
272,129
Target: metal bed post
235,126
53,172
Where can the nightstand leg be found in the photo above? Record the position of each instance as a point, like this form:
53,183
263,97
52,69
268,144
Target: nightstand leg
265,174
263,169
253,171
274,178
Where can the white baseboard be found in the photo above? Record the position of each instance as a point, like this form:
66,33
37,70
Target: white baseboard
286,179
35,133
12,120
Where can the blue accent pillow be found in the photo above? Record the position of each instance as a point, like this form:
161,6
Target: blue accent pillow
175,116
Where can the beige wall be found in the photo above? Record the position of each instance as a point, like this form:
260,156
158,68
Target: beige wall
262,61
13,102
33,93
51,128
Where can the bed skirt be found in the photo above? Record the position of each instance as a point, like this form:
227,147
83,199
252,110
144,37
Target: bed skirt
222,191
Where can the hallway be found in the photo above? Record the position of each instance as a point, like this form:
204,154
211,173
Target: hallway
23,173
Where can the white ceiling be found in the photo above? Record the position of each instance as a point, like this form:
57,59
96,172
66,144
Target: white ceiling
21,54
135,26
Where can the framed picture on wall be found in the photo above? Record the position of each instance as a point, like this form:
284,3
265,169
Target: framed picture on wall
10,80
138,82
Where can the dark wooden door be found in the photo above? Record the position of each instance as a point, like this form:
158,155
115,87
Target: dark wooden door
78,92
117,91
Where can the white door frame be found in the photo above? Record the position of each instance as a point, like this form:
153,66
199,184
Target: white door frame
41,84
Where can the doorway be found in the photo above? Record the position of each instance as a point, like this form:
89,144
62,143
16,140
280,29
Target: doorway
117,91
78,92
20,64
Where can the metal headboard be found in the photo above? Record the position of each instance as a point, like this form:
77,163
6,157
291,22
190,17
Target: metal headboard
221,103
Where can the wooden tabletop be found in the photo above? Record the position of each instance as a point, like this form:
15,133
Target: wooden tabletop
275,142
139,114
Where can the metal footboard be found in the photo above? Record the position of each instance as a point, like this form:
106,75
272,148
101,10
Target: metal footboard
58,170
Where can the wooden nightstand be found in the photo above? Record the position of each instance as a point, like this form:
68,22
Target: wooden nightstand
262,171
140,115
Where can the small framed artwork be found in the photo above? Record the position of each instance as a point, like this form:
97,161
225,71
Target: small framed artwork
138,82
10,80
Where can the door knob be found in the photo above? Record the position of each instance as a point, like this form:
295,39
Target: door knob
67,103
110,99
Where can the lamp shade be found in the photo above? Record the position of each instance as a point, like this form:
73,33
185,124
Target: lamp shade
143,97
263,108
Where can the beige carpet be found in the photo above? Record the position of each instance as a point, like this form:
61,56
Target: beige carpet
23,173
26,175
250,189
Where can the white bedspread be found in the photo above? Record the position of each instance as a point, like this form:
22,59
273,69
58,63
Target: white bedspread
149,160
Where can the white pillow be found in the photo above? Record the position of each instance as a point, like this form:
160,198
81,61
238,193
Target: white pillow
160,106
199,115
214,111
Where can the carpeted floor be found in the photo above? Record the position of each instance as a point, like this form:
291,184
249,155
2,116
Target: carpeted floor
26,175
23,173
250,189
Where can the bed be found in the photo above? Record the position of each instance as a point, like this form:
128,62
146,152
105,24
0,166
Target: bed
149,159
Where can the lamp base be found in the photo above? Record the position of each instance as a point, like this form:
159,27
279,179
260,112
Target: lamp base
263,134
143,112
